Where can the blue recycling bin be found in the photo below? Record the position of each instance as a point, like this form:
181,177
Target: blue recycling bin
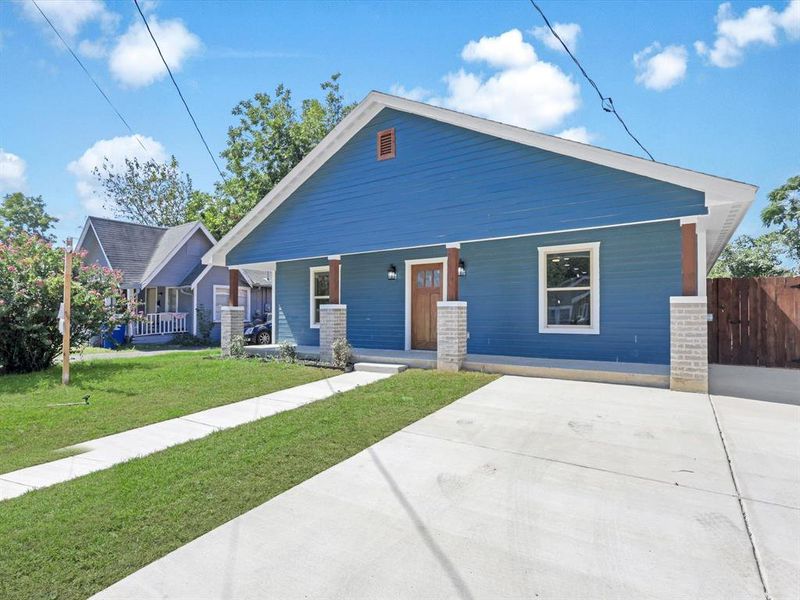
116,338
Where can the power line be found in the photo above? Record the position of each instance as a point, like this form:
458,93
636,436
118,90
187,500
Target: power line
89,75
175,83
606,102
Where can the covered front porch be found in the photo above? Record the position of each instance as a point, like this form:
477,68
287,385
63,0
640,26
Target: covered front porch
578,370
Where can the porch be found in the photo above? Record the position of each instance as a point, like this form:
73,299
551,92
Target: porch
163,311
579,370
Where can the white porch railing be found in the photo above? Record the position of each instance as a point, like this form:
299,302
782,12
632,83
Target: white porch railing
159,324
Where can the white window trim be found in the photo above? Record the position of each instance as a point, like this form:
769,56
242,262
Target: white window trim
594,289
219,288
311,297
409,264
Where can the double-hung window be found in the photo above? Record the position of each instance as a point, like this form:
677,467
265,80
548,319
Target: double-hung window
569,290
319,291
221,299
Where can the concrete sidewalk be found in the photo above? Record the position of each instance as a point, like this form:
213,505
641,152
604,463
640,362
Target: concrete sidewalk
107,451
526,488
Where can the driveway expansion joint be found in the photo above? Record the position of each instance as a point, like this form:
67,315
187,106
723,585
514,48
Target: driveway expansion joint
756,557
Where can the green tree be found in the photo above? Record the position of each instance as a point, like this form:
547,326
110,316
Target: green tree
268,140
20,213
31,284
783,211
747,256
150,192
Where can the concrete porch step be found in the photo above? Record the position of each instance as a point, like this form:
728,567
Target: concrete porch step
386,368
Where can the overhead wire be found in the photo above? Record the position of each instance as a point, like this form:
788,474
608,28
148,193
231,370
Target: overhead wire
605,101
177,87
136,136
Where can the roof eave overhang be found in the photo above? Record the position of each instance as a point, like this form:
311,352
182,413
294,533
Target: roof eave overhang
721,195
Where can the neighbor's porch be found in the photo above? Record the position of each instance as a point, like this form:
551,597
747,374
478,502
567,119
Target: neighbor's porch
162,311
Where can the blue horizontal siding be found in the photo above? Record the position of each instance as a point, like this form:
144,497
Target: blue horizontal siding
448,184
639,270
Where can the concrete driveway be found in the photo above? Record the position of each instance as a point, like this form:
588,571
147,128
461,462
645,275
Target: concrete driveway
527,488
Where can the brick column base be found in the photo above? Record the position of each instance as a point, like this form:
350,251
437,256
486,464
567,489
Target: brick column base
232,326
332,326
688,341
451,331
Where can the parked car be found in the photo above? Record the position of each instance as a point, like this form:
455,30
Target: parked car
259,331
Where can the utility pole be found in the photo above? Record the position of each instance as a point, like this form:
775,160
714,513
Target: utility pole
67,311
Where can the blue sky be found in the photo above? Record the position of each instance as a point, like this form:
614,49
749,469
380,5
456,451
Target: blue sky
704,85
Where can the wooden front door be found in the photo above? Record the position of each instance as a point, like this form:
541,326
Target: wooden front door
426,291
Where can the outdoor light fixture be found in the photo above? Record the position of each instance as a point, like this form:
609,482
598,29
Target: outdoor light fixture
462,269
391,273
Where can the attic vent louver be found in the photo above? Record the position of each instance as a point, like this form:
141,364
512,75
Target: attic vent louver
387,147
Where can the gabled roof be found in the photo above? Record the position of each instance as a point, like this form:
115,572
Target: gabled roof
727,200
138,251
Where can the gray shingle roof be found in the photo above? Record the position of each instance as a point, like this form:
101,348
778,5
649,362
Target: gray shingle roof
137,250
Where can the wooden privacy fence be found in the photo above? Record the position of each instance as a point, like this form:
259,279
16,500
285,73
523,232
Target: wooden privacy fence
755,321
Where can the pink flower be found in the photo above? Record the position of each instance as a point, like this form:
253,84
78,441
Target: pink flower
12,269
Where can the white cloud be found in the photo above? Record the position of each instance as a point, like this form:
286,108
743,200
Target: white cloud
134,60
70,16
523,90
758,25
660,69
577,134
90,49
12,173
568,32
417,93
506,50
116,150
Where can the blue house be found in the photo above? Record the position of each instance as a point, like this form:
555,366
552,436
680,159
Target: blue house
162,272
425,234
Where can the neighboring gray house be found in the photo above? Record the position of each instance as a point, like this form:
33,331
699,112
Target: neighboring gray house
161,268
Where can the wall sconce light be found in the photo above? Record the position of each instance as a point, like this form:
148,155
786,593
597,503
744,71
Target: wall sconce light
391,273
462,269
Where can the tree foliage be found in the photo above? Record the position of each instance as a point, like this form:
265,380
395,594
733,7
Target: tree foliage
31,284
150,192
20,213
783,211
268,140
748,256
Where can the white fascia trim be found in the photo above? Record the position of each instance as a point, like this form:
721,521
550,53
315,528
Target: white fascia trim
594,289
408,264
86,227
717,189
203,273
198,226
453,245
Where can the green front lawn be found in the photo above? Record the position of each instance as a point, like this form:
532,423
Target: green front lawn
76,538
125,393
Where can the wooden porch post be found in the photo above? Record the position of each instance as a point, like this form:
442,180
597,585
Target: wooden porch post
333,279
689,258
453,258
233,287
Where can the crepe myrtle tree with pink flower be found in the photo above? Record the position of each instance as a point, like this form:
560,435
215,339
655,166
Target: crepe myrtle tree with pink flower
31,290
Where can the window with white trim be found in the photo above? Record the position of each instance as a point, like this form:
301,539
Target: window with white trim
221,299
172,299
569,300
319,292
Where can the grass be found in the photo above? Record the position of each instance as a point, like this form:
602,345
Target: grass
125,393
90,350
78,537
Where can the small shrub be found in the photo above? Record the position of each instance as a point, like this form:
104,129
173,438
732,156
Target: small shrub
287,352
237,347
187,339
342,353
